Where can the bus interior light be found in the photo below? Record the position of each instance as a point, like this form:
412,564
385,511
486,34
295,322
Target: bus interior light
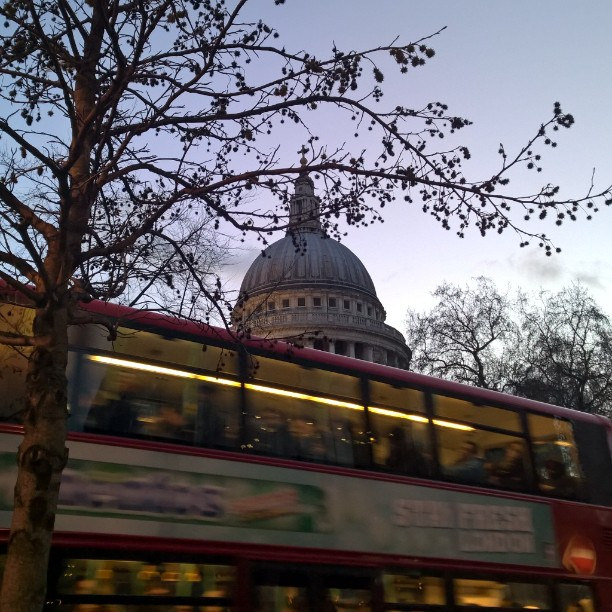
452,425
304,396
149,367
399,415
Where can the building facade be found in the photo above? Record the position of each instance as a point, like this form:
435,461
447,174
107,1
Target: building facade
309,288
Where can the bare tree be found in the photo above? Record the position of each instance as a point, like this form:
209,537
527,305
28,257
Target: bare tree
465,335
566,352
180,285
123,119
555,348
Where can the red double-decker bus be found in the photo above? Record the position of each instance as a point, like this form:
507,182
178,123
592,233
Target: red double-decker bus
206,475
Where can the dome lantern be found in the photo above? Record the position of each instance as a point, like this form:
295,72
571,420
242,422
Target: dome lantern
304,206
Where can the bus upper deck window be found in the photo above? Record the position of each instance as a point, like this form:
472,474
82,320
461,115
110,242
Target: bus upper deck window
316,381
126,397
480,445
476,414
555,454
305,413
400,428
304,427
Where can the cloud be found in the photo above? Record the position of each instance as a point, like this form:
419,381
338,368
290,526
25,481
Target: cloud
556,273
536,268
591,280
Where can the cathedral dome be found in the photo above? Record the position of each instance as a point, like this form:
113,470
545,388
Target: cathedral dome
307,259
312,288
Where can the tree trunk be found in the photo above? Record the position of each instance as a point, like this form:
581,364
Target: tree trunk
41,457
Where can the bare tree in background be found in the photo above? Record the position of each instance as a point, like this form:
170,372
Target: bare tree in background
566,351
464,336
126,121
555,348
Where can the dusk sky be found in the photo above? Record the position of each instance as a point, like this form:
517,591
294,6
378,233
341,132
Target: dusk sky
501,65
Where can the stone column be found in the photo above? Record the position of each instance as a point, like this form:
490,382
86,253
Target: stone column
368,352
350,348
332,347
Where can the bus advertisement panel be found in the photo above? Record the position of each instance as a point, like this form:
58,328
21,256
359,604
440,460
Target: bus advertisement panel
115,490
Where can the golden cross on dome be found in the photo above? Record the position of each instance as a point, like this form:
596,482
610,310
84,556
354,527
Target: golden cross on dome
303,151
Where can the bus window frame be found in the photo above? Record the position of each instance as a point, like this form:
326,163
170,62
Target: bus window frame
522,434
73,388
581,494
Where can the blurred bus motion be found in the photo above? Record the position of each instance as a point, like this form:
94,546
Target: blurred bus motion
211,475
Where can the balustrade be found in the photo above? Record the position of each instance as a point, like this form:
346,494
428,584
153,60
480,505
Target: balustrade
294,316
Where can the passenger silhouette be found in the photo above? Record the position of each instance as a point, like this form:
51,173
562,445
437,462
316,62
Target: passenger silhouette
509,472
468,467
404,456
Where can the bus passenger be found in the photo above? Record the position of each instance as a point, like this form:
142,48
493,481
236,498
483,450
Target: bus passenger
326,604
209,427
510,471
273,435
169,423
341,442
362,448
558,480
157,586
118,415
308,442
84,586
403,457
469,466
319,446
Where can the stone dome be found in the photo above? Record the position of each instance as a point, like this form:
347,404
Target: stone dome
311,288
307,259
